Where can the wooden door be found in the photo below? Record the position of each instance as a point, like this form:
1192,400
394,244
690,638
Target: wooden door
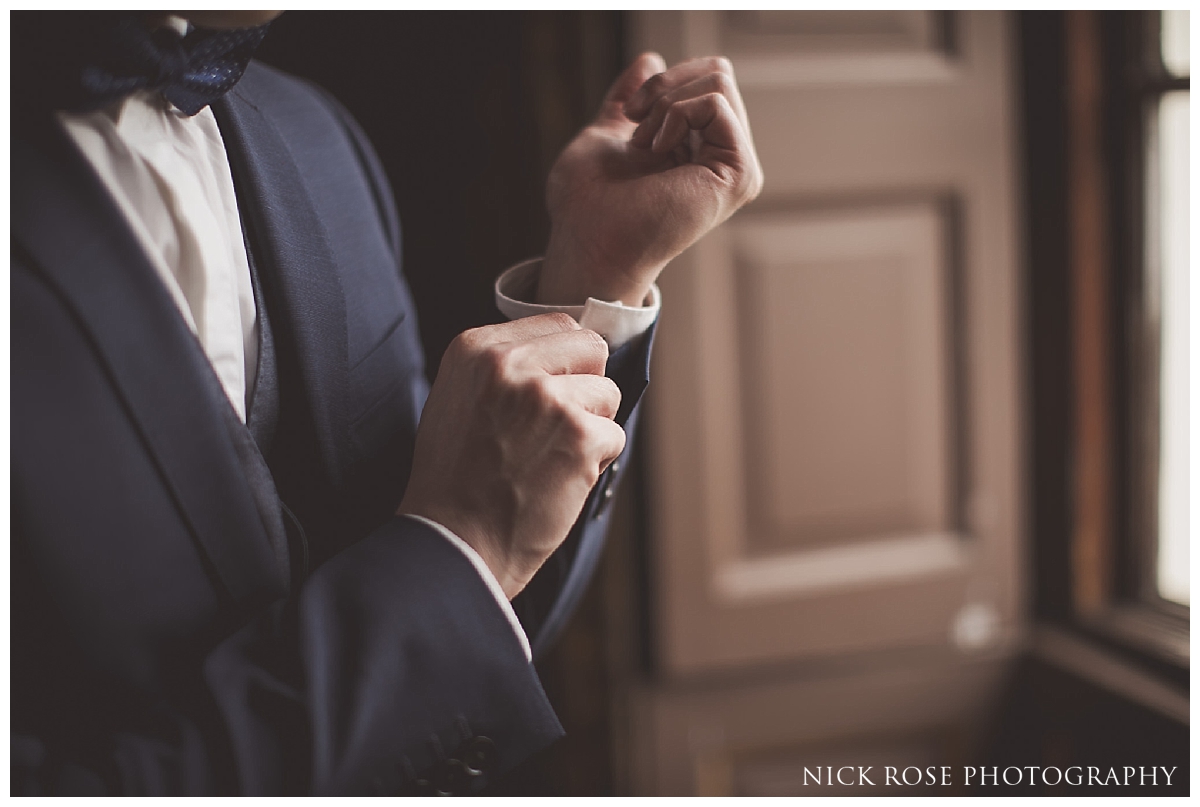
835,509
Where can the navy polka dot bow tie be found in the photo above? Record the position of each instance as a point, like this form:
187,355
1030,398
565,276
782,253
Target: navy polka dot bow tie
191,71
84,61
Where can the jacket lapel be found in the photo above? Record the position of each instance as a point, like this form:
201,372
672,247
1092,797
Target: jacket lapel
64,219
293,251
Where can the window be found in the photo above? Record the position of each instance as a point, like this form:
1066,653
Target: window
1167,269
1106,232
1106,114
1145,80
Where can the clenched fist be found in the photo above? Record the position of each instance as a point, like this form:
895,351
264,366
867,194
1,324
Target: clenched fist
516,431
668,158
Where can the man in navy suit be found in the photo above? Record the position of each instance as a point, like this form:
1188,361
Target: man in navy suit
253,552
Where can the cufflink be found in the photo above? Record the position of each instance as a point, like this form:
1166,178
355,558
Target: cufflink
610,488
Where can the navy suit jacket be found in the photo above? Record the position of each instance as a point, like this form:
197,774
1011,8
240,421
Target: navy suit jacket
164,638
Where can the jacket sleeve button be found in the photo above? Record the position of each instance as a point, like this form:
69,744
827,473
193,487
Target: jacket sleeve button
451,776
478,754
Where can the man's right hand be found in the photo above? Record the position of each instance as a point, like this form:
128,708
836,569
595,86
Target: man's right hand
516,431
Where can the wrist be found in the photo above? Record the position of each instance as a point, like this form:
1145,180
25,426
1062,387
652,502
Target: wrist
569,277
504,571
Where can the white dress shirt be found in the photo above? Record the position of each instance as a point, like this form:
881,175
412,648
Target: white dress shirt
169,175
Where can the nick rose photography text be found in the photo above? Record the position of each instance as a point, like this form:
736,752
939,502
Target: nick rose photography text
1087,775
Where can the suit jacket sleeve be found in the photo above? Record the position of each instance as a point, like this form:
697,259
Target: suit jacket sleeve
405,666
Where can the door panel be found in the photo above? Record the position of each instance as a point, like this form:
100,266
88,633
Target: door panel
855,301
834,413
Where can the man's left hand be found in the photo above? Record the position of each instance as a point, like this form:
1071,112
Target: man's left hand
669,157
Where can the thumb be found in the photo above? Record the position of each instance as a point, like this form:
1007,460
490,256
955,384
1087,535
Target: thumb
642,68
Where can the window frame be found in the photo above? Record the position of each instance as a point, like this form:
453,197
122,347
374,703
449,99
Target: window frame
1135,621
1137,80
1103,591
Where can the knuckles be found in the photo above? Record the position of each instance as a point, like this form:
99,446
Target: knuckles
575,432
537,395
660,108
653,85
715,103
720,82
598,345
756,184
466,343
724,83
495,362
563,321
721,64
612,396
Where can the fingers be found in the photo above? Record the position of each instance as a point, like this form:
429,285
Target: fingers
549,344
593,393
699,95
633,77
710,84
709,114
609,442
642,102
518,330
564,353
596,441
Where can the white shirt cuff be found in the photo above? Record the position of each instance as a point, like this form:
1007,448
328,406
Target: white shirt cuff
489,580
616,322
